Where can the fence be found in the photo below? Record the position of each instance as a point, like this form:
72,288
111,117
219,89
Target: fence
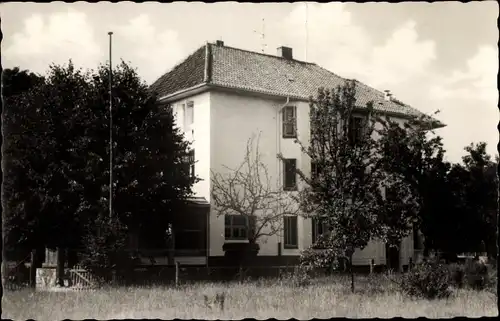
79,278
17,274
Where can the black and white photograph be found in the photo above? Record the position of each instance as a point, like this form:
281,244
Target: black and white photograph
235,160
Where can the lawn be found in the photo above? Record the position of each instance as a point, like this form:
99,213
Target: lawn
325,298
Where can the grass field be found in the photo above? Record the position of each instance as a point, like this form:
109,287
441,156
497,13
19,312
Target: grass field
325,298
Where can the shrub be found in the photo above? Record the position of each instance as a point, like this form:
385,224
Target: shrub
430,280
104,246
477,274
457,274
298,278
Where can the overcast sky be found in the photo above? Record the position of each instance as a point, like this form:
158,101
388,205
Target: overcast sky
432,56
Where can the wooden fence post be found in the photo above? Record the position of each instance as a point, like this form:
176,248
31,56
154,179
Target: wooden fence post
33,268
177,273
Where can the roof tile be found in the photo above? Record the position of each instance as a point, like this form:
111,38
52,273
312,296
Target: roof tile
252,71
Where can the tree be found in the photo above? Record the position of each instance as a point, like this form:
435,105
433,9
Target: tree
16,81
344,191
248,191
481,195
413,154
57,139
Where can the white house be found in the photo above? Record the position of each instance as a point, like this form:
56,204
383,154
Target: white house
222,96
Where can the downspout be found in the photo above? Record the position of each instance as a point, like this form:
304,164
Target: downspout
278,151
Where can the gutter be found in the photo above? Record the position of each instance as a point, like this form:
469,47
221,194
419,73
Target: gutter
183,92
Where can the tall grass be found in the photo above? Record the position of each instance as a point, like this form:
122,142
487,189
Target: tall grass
324,298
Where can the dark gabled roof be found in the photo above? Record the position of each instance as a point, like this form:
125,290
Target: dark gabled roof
188,73
261,73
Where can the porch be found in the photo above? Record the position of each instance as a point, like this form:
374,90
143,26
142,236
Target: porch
186,242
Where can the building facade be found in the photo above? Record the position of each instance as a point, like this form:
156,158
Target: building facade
222,97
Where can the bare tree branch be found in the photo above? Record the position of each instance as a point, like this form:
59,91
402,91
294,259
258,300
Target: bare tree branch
249,191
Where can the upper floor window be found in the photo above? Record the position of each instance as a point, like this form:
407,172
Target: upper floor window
314,170
355,133
290,122
318,228
290,174
290,232
189,113
189,163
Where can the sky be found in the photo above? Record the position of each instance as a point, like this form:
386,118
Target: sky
433,56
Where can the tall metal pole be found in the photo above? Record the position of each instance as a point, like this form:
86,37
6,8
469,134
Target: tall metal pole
110,130
307,32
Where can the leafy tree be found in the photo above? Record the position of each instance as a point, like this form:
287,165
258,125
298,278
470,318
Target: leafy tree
57,138
416,157
16,81
150,156
481,190
344,191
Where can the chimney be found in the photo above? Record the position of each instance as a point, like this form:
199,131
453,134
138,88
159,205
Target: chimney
219,43
387,95
285,52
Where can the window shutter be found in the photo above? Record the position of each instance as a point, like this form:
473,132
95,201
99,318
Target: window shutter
289,121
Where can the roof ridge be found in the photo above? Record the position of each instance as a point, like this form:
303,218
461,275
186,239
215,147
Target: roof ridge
264,54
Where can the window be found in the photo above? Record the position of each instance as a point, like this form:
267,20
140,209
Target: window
189,163
318,228
355,129
189,113
314,170
290,122
236,227
290,232
390,193
289,175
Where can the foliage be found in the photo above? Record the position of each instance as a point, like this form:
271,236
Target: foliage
249,191
477,274
345,191
298,278
57,158
39,192
464,219
16,81
474,274
480,200
430,280
105,248
414,156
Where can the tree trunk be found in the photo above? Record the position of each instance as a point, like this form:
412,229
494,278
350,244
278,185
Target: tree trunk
351,270
33,265
60,266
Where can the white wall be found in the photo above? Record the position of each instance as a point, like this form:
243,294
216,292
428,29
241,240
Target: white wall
234,118
199,134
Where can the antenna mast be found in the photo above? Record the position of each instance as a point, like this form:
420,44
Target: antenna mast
307,32
262,35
